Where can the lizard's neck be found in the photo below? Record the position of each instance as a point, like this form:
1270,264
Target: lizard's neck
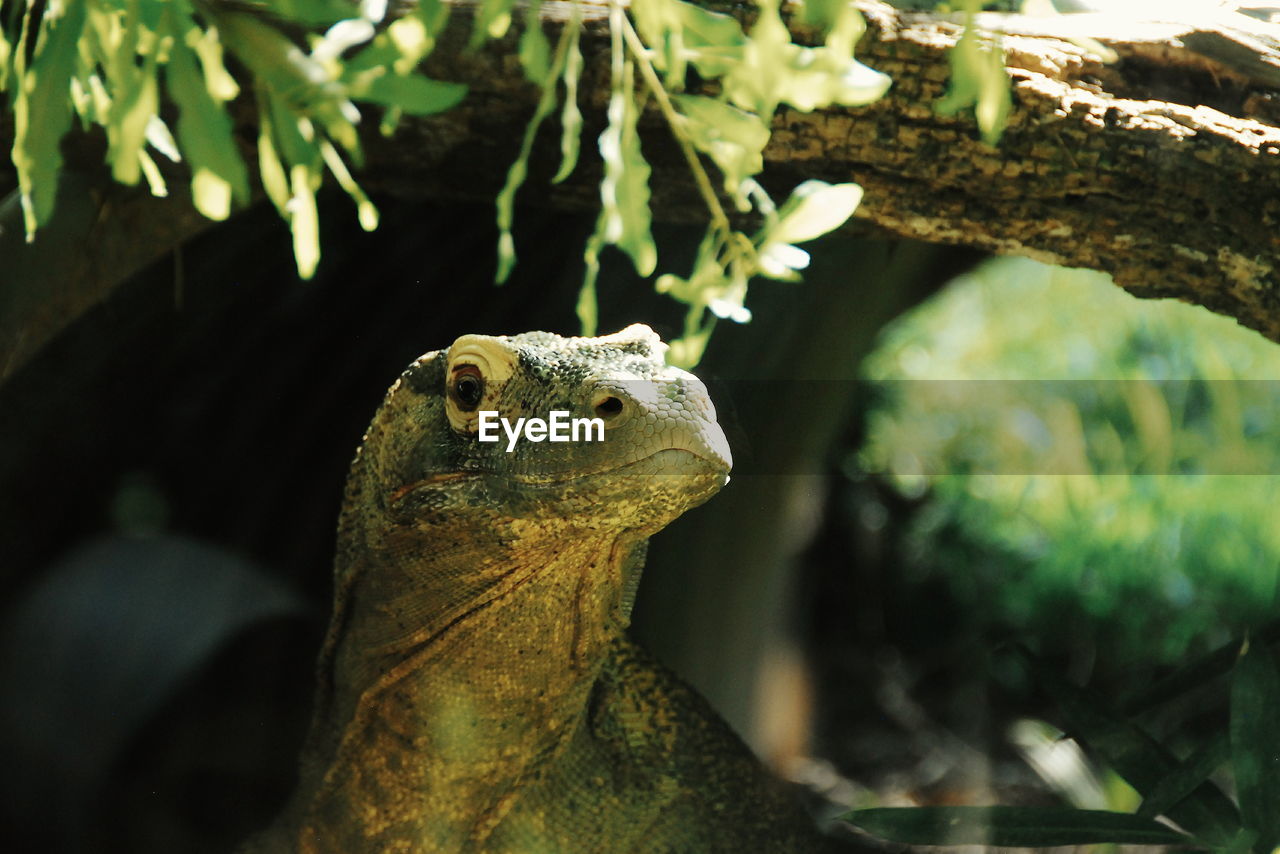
449,706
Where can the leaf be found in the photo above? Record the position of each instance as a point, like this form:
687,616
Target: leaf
127,122
1187,777
415,95
271,171
814,209
221,85
681,32
1013,827
491,21
42,110
218,174
686,351
823,13
6,59
304,221
155,181
314,12
297,81
365,210
571,116
1197,673
774,70
1255,743
979,80
624,189
505,202
733,138
1139,758
159,138
534,50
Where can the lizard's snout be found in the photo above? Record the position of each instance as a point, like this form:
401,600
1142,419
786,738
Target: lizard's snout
673,414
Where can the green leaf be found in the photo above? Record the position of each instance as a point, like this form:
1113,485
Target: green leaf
1138,757
823,13
221,85
155,181
571,116
687,350
304,221
127,123
1255,743
624,189
814,209
978,80
1187,777
505,202
681,32
313,12
491,21
295,80
6,58
42,110
275,181
1204,669
733,138
416,95
1012,827
365,210
534,50
218,174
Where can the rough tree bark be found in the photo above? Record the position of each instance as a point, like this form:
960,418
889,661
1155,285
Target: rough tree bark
1159,168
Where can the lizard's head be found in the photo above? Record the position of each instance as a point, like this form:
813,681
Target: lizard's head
612,438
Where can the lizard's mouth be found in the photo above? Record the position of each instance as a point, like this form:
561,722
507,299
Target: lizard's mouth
667,462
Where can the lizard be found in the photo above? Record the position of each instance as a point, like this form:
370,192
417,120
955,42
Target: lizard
476,688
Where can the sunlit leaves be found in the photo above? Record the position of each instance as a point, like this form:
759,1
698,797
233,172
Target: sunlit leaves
680,33
758,72
814,208
570,116
774,70
978,80
218,174
734,139
42,111
624,189
566,53
115,63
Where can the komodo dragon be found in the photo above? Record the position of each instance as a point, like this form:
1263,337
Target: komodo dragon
477,692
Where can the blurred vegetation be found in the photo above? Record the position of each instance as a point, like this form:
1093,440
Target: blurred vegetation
1101,466
1096,477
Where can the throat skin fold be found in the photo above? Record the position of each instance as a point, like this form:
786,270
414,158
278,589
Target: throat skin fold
430,726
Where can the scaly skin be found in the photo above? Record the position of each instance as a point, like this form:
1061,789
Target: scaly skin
476,690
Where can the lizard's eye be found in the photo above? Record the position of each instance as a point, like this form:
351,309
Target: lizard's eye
466,387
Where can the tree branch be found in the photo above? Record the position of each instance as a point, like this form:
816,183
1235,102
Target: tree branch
1159,168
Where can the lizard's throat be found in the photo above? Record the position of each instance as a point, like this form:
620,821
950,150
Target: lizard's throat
476,699
494,625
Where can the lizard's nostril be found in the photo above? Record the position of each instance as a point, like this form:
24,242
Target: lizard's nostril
608,407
